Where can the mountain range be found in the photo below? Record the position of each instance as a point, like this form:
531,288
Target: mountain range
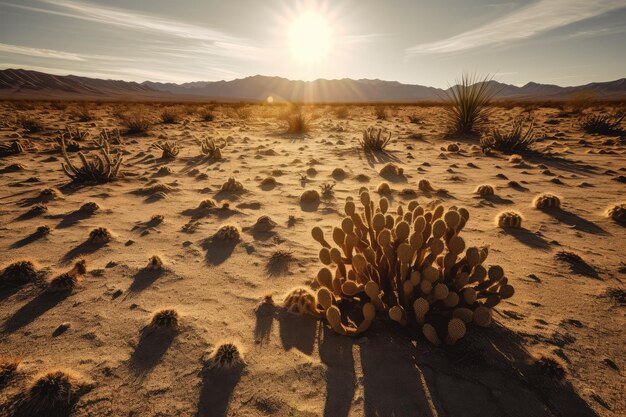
27,84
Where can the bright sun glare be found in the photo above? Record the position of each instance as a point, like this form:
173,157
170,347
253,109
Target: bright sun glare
310,38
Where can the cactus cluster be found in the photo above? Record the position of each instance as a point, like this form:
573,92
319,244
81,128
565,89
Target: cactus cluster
232,186
67,281
19,273
100,236
411,265
485,190
509,220
618,213
547,201
227,356
167,318
228,232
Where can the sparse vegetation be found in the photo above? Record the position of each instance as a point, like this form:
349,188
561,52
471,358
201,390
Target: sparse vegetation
52,394
97,169
518,140
227,356
165,319
210,149
375,140
603,124
136,123
170,115
170,149
29,123
298,123
468,108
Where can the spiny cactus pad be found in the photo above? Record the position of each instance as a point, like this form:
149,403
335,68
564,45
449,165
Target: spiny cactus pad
411,265
301,301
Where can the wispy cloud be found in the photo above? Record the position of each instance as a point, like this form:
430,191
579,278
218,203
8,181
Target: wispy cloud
540,16
39,52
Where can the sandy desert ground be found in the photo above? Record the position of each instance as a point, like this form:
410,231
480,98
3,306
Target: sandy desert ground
564,315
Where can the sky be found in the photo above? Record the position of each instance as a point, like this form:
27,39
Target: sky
428,42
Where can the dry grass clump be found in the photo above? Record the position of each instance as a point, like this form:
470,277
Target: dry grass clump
380,112
467,108
165,319
546,201
603,124
29,123
100,235
67,281
517,140
411,265
52,394
170,115
170,149
206,114
509,220
298,123
374,140
227,356
137,122
19,273
98,169
8,368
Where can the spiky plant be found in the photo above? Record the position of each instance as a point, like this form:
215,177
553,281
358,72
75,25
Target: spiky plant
136,123
210,149
207,115
604,124
19,273
298,123
467,106
170,149
518,140
167,318
99,169
374,140
8,368
227,355
170,115
51,394
380,112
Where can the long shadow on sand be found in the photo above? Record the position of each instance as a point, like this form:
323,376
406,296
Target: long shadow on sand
336,353
297,331
143,279
575,220
84,248
33,237
217,388
528,238
218,250
153,343
264,313
32,310
72,218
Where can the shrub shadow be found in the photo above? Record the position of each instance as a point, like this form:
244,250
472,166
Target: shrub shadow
216,390
153,343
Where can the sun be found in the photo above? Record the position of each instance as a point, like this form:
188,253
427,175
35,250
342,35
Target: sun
310,38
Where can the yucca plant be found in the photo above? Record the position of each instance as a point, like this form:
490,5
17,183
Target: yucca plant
467,105
517,140
604,124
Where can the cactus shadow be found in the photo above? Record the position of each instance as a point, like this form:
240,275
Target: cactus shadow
143,279
528,238
217,250
309,206
32,310
152,346
33,237
84,248
575,220
297,331
336,353
216,390
264,315
72,218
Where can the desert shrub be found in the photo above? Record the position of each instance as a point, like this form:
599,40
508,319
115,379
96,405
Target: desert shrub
29,123
136,122
170,115
380,112
604,124
82,112
410,265
467,107
374,140
242,112
206,114
516,141
97,169
58,105
170,149
341,112
298,123
581,101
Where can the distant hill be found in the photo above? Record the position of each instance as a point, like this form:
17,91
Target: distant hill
17,83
